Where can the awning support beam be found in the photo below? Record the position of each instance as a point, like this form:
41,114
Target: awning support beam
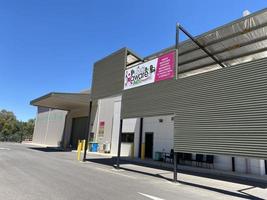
200,45
251,29
177,50
247,43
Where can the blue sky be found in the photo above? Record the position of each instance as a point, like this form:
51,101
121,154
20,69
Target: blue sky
51,45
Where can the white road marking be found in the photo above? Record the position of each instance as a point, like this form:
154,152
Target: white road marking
112,171
150,196
2,148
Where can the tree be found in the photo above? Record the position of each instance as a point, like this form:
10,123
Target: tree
27,129
8,125
13,130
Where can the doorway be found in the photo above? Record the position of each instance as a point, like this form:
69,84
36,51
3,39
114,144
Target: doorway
149,144
78,131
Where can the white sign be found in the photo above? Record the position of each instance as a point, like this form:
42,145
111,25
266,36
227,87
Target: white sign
155,70
140,75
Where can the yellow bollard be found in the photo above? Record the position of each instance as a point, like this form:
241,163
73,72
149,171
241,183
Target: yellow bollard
132,150
79,150
83,147
143,151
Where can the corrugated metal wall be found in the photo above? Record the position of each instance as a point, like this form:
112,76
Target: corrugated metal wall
219,112
149,100
49,126
40,127
108,75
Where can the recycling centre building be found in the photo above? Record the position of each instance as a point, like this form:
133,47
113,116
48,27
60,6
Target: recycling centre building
202,100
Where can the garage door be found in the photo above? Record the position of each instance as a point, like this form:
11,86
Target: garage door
78,130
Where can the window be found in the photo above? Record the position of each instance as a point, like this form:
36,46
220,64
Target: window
127,137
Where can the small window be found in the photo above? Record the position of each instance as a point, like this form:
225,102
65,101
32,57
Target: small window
127,137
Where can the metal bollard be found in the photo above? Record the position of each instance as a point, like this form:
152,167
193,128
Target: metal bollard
83,145
79,150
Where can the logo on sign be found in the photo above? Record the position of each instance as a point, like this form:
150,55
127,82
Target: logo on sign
140,74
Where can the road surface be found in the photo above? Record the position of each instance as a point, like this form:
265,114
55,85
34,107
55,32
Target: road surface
31,173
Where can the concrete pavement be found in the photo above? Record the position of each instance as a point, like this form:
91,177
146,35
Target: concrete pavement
32,173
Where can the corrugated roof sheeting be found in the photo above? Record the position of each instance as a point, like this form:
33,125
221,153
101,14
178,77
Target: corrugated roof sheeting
240,41
229,43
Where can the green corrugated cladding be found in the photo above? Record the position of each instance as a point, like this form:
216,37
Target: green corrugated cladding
218,112
108,75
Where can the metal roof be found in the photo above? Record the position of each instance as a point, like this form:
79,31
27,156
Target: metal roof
63,101
240,41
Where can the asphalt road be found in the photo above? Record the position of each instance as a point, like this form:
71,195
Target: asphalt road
30,173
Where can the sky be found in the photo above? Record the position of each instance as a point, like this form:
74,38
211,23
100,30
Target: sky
52,45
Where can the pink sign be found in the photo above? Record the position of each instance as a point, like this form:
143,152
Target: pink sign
165,67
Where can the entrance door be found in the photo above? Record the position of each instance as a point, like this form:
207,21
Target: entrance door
149,145
78,132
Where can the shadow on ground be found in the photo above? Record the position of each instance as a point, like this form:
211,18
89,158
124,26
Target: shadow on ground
48,149
240,194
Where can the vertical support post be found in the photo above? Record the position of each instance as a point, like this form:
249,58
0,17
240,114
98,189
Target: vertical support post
119,145
88,129
177,50
176,72
140,137
174,167
265,165
233,164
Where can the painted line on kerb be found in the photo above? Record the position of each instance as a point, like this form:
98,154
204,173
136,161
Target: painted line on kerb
150,196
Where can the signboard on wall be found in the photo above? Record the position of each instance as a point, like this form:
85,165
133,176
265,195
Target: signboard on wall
158,69
101,129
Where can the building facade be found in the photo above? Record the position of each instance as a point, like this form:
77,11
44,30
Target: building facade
197,107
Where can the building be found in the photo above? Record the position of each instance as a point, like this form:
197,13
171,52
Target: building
210,98
61,119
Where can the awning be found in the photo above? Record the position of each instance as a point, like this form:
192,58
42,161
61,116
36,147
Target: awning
63,101
240,41
132,58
